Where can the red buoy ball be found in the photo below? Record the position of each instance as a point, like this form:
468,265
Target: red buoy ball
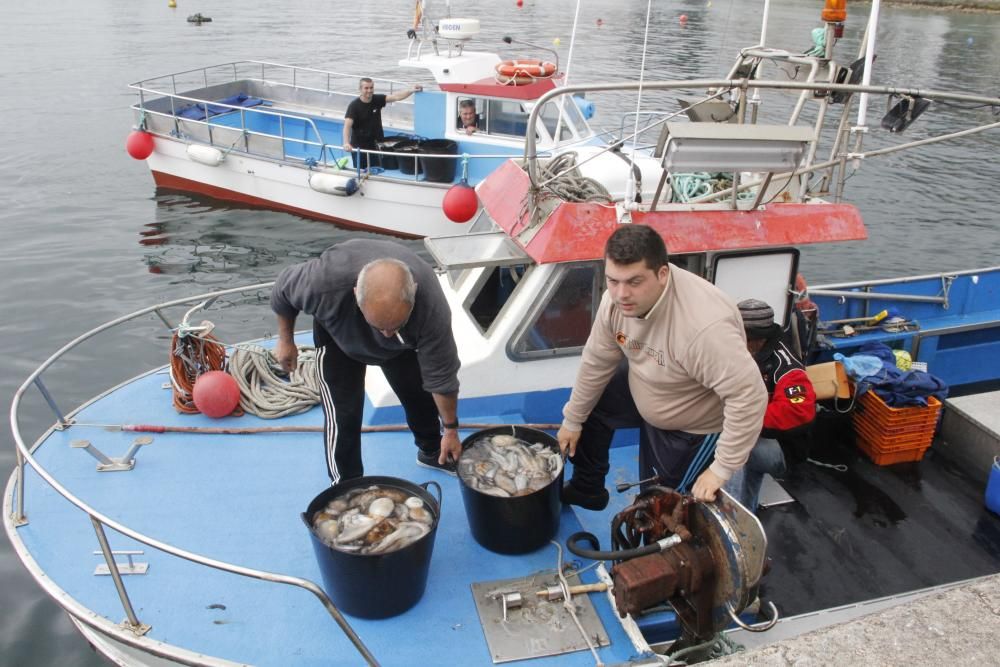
683,19
215,394
139,144
520,3
460,203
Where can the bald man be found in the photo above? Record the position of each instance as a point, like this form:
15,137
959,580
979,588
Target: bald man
374,303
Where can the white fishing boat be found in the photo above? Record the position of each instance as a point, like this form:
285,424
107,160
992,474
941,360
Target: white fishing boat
182,543
271,135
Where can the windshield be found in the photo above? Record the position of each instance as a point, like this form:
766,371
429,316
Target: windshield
573,125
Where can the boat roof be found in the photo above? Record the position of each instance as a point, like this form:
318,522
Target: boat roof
474,73
577,231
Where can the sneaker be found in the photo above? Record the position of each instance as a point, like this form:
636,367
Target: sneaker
430,460
590,501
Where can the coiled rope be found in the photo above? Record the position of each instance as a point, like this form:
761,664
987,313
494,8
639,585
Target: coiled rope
266,390
561,179
193,351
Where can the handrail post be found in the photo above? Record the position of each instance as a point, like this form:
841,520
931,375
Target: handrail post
19,518
133,621
51,401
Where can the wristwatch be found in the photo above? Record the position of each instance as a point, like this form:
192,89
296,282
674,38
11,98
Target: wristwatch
452,425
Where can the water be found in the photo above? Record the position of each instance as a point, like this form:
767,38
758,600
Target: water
87,238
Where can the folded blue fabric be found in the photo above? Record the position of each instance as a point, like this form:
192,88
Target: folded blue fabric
201,111
896,387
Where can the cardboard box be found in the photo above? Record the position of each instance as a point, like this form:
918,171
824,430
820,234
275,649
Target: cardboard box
829,380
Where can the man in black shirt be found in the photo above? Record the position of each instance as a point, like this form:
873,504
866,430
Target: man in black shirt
363,119
367,310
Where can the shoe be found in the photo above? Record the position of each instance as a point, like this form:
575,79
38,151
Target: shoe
590,501
430,460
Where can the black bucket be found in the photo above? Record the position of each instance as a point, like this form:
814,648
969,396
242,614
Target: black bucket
410,164
390,144
513,525
375,585
439,169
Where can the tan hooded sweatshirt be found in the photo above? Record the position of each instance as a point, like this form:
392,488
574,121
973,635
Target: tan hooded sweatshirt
688,367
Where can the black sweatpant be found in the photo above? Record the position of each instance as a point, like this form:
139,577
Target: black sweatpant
342,386
665,454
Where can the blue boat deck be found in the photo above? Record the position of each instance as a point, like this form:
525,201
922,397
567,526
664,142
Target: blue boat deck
238,498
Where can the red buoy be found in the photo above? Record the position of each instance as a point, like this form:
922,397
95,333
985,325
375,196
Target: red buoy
215,394
460,203
139,144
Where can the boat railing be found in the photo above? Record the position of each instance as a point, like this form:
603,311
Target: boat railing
101,521
838,167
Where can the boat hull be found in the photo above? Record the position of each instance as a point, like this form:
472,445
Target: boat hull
401,207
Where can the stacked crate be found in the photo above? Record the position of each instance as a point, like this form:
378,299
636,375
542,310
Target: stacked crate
894,435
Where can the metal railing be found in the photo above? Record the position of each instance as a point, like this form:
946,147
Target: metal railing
101,521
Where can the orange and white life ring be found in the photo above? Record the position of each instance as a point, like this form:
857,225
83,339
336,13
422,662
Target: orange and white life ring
520,72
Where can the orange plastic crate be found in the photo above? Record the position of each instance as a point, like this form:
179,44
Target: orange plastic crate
894,435
884,443
889,458
875,410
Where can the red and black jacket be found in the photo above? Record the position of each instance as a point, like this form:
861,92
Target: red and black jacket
791,404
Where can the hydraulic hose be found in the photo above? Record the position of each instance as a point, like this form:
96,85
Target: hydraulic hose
595,554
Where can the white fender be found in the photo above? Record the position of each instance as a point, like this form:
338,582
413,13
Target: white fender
207,155
458,28
333,184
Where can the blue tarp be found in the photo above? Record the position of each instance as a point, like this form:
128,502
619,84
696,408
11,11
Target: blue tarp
896,387
205,111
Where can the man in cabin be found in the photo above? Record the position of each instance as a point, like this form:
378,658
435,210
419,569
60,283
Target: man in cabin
363,119
374,303
791,406
468,119
667,354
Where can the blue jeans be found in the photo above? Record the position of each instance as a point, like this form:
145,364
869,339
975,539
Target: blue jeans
744,485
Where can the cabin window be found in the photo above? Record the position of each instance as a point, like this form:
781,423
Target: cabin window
507,117
561,323
493,293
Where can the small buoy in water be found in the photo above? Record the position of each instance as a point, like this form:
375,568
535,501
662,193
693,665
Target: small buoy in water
139,144
556,41
600,22
683,19
519,3
172,4
970,41
215,394
460,203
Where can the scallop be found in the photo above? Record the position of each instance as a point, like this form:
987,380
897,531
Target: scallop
327,530
381,507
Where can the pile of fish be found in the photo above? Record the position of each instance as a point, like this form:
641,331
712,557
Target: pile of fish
506,466
373,520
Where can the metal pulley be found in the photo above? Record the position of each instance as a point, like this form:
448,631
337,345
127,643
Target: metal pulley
704,559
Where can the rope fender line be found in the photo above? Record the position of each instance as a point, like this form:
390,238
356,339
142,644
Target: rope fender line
190,357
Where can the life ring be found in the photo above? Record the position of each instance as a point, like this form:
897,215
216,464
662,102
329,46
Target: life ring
520,72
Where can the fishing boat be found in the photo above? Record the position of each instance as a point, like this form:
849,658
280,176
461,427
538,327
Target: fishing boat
271,135
178,538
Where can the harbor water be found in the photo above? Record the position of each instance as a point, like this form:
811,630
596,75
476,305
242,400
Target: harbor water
86,237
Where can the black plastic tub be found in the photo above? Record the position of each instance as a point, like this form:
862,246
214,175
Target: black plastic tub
410,164
391,144
513,525
375,585
439,169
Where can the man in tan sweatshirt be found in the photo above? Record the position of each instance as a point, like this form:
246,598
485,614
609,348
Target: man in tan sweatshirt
667,353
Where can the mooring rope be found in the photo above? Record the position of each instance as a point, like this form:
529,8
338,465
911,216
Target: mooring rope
266,390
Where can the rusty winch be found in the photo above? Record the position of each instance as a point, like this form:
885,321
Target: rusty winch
704,559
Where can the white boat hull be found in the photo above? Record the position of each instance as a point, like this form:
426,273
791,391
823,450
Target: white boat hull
400,207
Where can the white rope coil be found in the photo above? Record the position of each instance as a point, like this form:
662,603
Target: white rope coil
266,390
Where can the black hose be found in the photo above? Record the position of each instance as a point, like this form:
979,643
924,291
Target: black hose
594,554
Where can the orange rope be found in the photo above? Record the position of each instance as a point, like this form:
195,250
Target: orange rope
190,356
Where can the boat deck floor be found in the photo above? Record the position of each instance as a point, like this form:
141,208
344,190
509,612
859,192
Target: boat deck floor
850,536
